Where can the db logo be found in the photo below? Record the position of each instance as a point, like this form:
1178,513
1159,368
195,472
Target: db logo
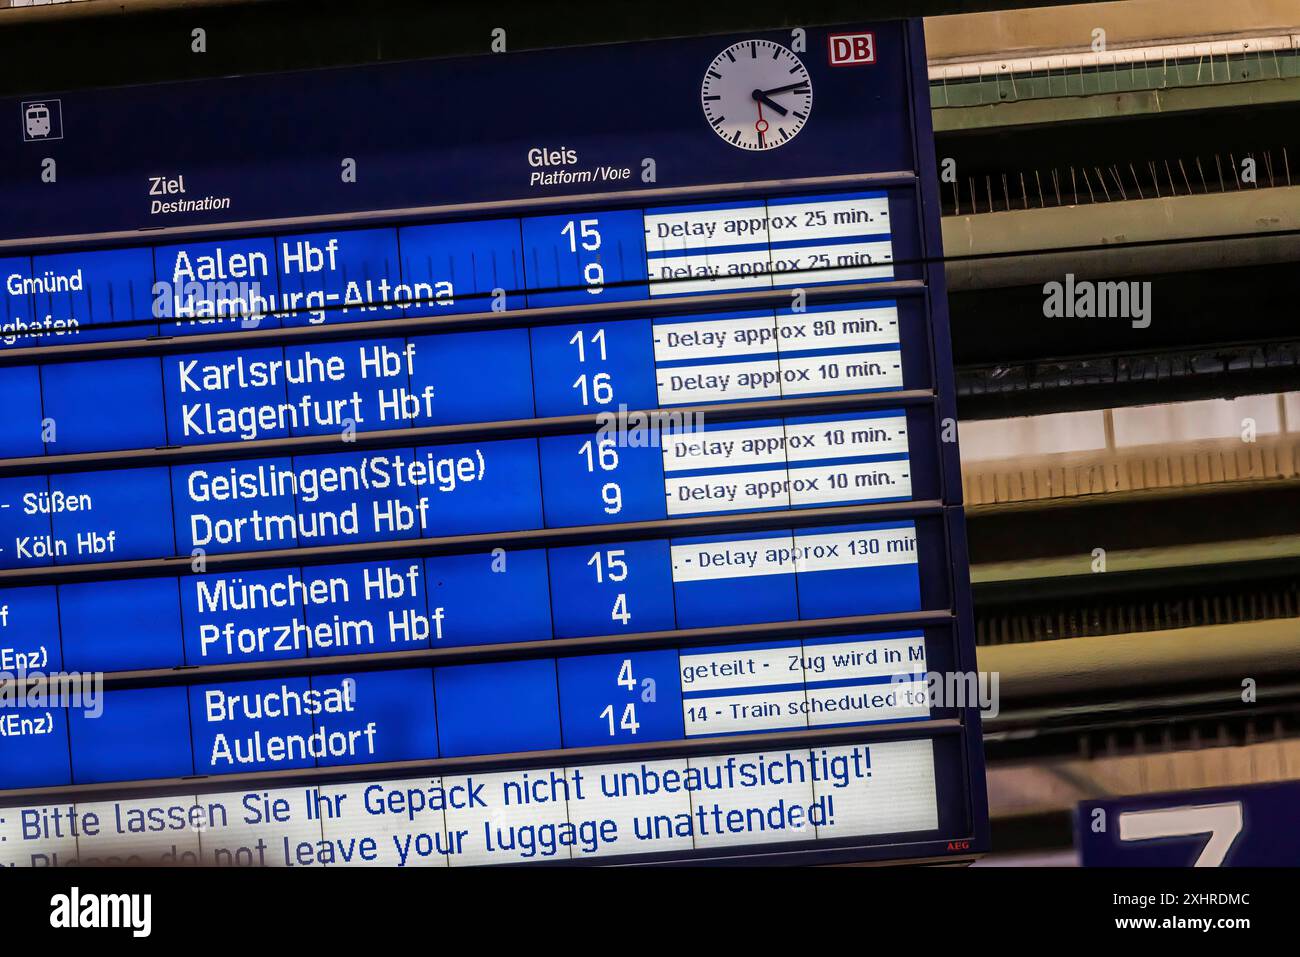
852,49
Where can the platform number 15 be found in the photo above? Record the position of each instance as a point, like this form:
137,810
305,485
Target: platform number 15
583,233
613,566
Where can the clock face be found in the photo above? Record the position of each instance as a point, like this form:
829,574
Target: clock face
756,95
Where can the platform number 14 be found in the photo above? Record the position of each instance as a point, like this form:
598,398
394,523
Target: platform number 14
627,722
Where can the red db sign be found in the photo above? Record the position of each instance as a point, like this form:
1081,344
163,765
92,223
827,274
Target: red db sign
852,49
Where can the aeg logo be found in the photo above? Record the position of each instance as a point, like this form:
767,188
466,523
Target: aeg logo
851,49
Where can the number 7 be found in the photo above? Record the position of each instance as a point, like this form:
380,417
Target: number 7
1222,822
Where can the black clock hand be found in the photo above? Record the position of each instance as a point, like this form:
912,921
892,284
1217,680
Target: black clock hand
760,97
780,89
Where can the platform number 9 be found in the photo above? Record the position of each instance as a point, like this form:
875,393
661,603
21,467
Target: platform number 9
585,234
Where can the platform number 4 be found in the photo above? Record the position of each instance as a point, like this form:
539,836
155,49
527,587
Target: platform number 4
627,721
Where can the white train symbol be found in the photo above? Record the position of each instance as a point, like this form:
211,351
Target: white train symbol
37,117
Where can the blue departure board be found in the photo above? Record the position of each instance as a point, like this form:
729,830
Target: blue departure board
527,501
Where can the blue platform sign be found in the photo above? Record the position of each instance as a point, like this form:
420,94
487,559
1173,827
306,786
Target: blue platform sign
518,463
1246,826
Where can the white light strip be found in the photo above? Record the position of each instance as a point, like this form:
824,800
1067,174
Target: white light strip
1168,424
1146,55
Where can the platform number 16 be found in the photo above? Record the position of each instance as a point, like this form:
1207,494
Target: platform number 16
598,388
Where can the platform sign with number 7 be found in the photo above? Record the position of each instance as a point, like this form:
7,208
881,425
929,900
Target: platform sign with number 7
1248,826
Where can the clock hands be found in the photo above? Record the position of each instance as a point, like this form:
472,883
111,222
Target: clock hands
760,98
765,96
781,89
